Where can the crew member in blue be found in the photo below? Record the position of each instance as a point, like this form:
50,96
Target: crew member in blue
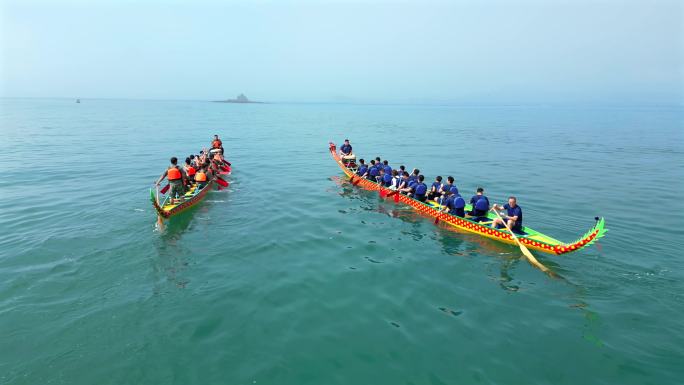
346,148
420,189
402,169
386,178
404,185
373,171
480,206
478,195
444,190
386,166
455,204
363,168
436,188
513,216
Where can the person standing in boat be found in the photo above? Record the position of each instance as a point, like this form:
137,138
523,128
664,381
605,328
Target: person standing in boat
177,179
513,215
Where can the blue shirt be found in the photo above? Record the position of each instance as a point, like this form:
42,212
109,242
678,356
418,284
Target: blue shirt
388,169
362,170
437,185
420,189
387,180
374,171
346,149
514,212
476,198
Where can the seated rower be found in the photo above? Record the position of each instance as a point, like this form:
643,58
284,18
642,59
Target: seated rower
410,182
386,179
513,216
420,189
456,203
363,168
216,144
436,188
386,167
404,184
414,175
373,171
176,177
189,171
201,177
478,195
396,180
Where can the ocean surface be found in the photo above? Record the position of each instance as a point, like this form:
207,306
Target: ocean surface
293,276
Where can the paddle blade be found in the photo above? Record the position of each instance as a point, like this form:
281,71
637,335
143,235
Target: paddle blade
165,189
221,182
225,168
437,219
383,193
396,197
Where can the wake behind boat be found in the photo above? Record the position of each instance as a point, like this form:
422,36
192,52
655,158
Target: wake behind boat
530,238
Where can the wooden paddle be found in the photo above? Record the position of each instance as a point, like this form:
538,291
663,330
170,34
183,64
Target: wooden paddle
533,261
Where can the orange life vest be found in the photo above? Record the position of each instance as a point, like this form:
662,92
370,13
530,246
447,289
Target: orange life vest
190,170
174,174
200,177
216,143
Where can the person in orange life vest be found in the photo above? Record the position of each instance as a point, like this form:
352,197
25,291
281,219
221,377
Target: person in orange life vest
189,171
217,144
176,177
201,177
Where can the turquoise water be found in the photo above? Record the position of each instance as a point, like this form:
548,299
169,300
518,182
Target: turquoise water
293,276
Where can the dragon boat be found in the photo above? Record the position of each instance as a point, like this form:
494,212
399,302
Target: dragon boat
532,239
166,208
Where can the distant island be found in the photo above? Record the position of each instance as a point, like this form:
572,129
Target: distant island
240,99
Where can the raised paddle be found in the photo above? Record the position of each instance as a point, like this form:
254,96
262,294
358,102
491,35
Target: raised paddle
165,189
533,261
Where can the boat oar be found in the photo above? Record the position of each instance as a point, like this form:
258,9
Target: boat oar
396,195
165,189
533,261
439,214
222,182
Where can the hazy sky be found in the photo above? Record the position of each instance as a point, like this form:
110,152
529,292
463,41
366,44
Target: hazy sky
479,51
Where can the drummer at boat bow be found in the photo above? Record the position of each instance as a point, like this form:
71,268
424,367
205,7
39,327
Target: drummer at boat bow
177,179
513,215
346,148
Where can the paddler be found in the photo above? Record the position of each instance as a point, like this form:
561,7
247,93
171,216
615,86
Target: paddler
201,177
176,177
189,170
513,215
374,171
363,168
480,205
454,203
386,167
436,188
420,189
386,178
